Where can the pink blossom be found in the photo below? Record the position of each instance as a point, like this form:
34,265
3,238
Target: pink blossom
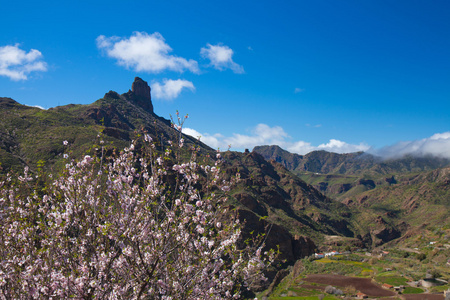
104,224
200,229
148,138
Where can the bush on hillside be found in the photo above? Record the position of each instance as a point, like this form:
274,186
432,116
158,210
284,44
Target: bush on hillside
140,225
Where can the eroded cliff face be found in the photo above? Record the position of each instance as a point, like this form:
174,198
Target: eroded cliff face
141,89
292,247
140,94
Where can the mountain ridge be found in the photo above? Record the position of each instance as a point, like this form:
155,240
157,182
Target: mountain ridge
386,198
304,199
269,196
30,134
355,163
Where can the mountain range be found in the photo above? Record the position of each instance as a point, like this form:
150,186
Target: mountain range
357,163
304,202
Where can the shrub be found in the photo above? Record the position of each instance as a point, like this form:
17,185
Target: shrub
140,225
435,273
421,256
332,290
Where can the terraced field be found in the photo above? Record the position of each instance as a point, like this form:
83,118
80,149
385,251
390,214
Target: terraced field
344,276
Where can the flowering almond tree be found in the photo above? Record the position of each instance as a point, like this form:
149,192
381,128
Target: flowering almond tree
137,226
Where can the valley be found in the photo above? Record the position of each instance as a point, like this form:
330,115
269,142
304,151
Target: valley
389,220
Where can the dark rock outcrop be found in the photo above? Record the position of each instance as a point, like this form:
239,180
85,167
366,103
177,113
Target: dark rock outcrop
369,184
140,94
112,95
385,234
291,247
340,188
303,246
141,89
321,186
276,281
391,180
251,203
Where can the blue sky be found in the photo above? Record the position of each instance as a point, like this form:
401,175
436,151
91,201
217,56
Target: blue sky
341,76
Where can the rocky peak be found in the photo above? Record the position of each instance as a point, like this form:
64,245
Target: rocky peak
140,94
141,89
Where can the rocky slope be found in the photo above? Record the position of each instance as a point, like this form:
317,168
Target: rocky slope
415,201
269,199
387,199
340,176
272,192
29,134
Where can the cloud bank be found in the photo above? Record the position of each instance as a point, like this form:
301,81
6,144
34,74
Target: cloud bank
263,134
170,89
436,145
144,52
17,64
221,58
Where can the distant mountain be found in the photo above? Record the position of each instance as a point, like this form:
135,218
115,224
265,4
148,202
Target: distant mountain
357,163
340,176
387,198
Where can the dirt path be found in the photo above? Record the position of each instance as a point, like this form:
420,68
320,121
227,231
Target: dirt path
410,250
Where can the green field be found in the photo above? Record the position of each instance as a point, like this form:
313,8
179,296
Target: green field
395,269
412,290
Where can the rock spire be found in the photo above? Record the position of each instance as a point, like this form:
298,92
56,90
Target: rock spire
141,89
140,94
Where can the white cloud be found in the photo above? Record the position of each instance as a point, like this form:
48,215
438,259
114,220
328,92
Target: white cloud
436,145
144,52
17,64
333,145
37,106
214,141
263,134
221,57
170,89
299,147
298,90
342,147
